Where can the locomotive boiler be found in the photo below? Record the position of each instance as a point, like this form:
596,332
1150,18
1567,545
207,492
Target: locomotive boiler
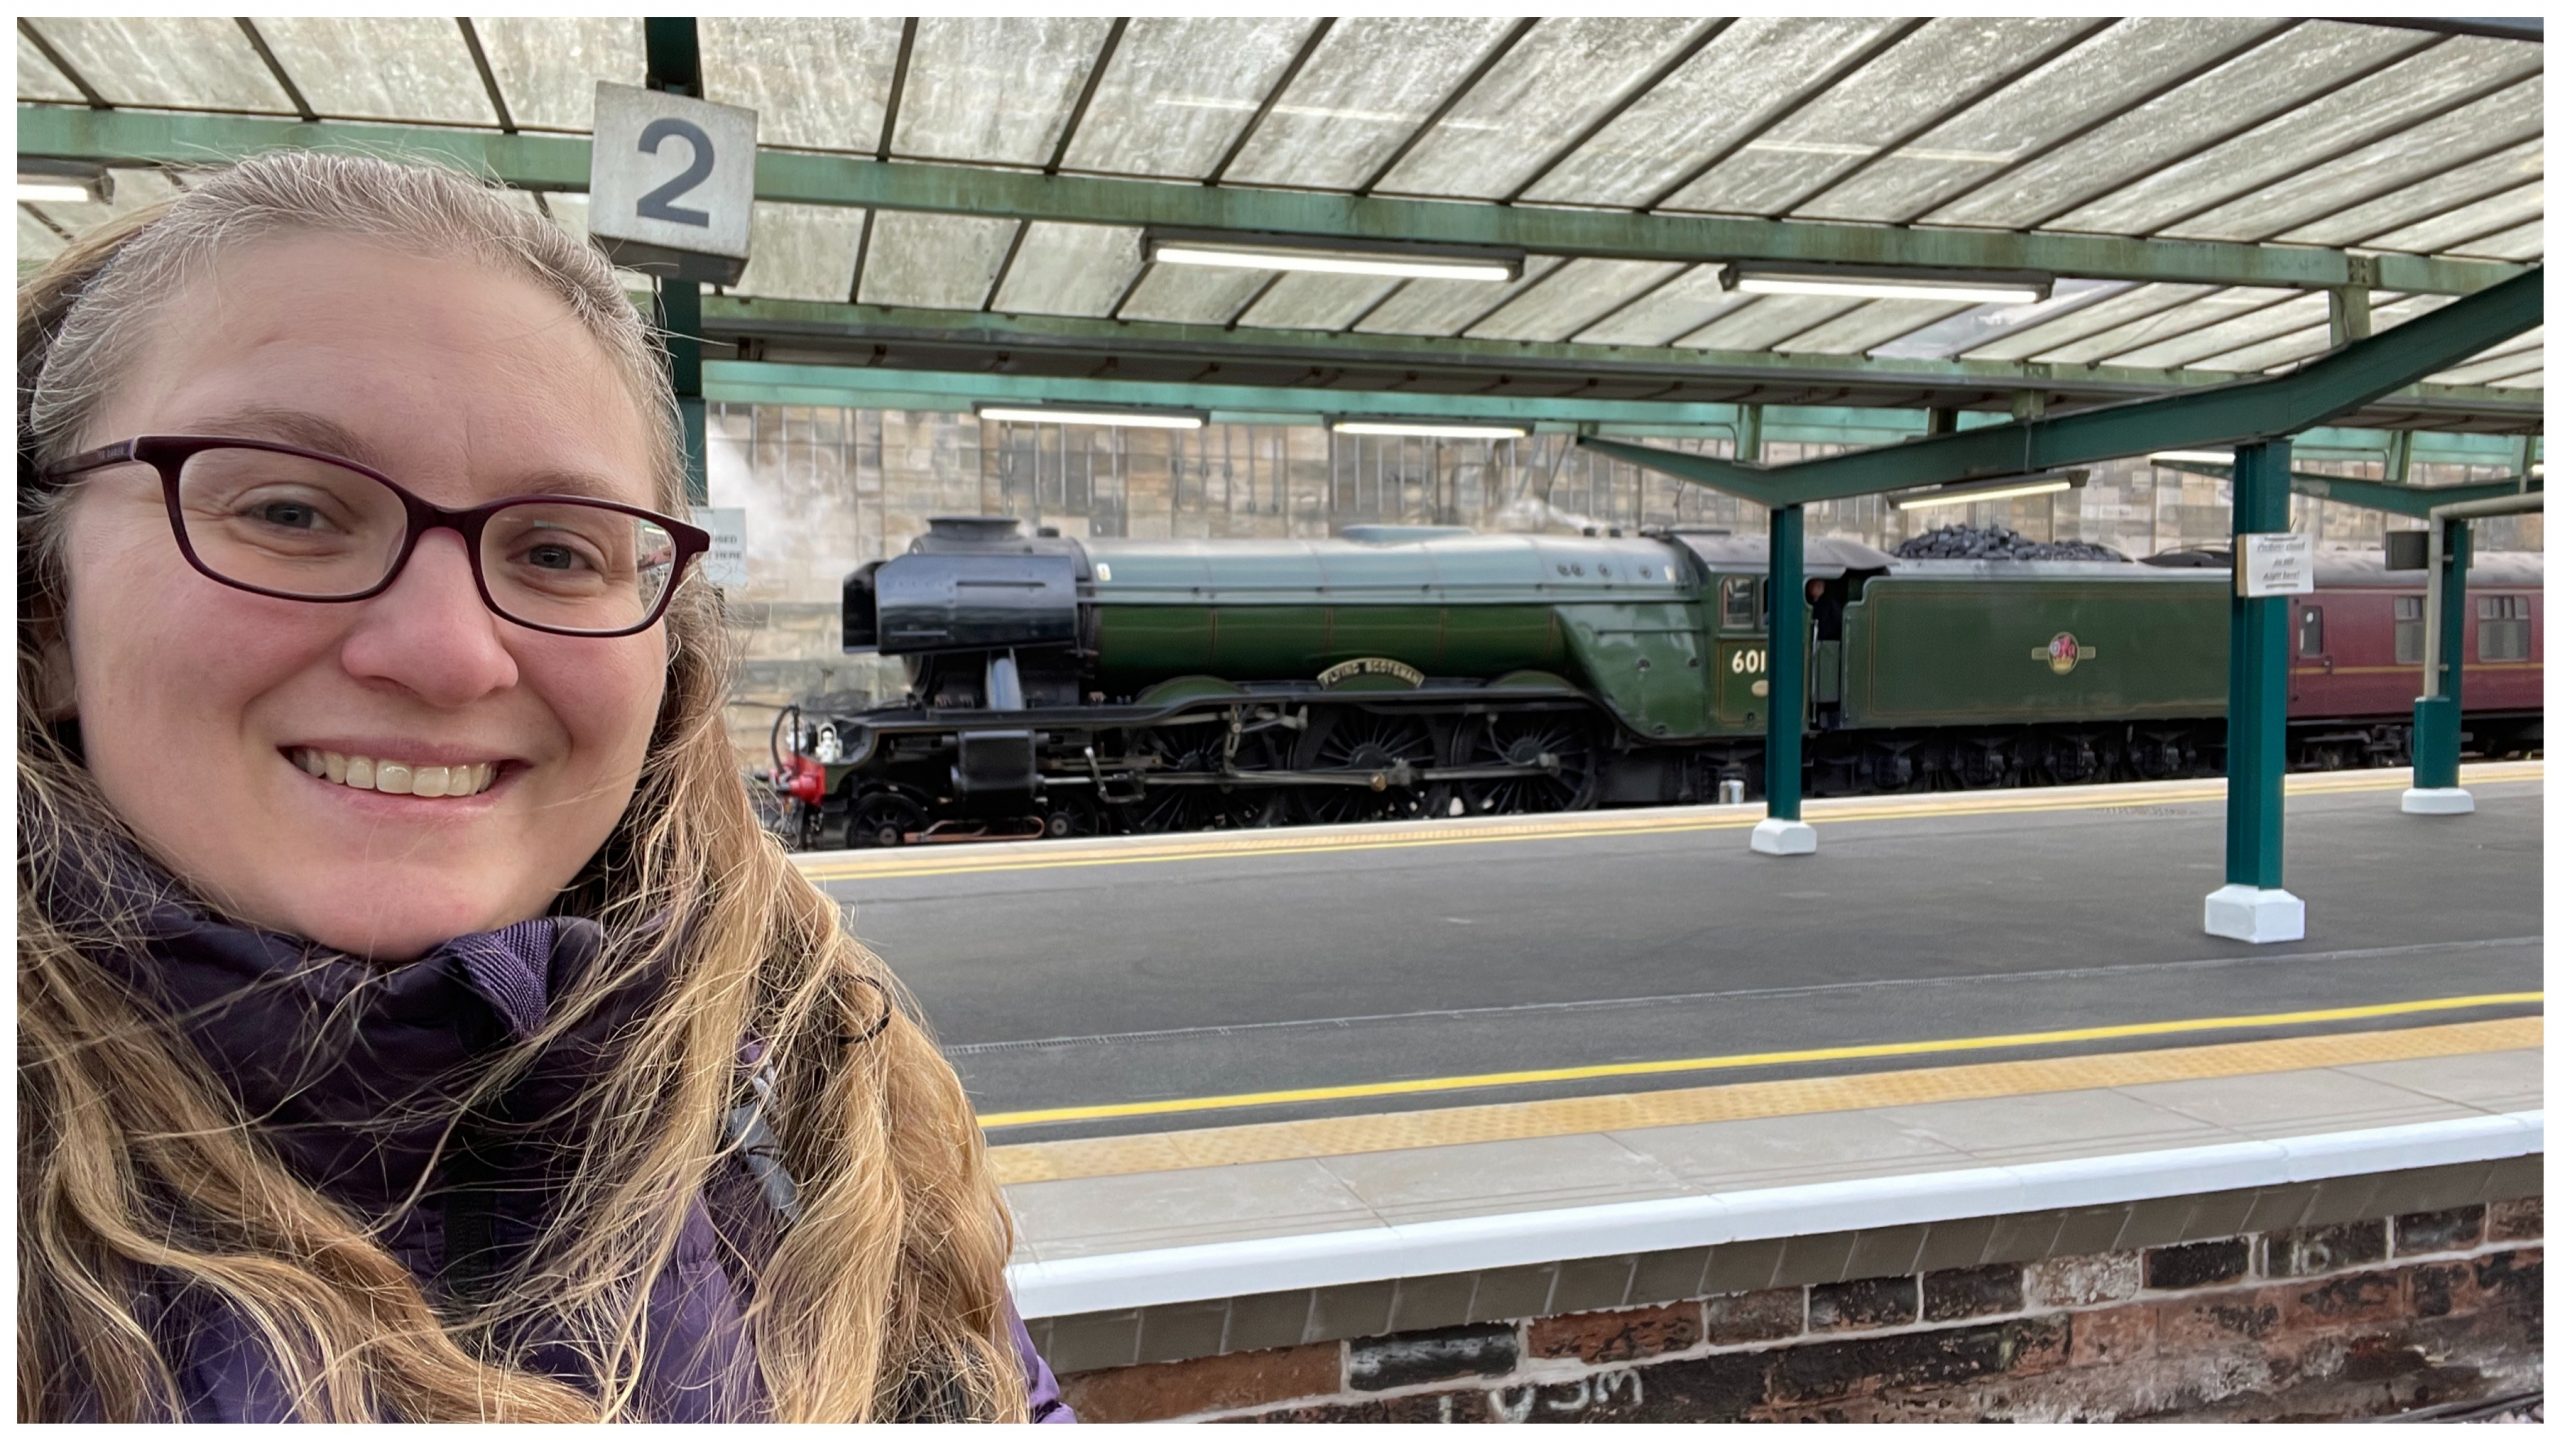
1062,686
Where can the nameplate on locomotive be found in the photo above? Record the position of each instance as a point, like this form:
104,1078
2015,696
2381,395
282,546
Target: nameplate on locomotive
1369,666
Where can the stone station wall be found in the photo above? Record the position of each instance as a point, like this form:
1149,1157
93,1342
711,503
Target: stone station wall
2304,1309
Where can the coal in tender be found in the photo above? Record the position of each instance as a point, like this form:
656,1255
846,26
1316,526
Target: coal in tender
1996,542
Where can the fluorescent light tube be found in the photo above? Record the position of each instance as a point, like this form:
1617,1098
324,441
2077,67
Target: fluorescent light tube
51,191
1888,282
1927,498
1980,294
1132,419
1332,264
1431,429
2193,457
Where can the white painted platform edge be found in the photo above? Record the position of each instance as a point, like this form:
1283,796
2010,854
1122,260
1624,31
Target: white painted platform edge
1128,1280
2259,917
1782,837
2453,801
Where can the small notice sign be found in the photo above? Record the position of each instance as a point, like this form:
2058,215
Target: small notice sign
725,564
2274,565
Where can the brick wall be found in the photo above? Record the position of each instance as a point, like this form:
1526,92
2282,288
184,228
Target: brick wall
2316,1321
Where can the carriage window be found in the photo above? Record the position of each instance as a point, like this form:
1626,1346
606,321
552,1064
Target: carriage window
2506,629
1742,603
2312,641
2408,636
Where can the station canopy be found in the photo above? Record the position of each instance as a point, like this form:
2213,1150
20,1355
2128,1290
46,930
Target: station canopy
2193,200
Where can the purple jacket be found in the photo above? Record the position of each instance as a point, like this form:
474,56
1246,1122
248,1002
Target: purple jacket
328,1053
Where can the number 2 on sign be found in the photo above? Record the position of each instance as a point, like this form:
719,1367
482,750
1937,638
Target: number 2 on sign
1750,662
659,204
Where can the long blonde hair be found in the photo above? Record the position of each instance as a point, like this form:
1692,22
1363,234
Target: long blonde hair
137,1167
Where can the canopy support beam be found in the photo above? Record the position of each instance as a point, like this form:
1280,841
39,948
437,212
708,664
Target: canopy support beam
2249,410
559,162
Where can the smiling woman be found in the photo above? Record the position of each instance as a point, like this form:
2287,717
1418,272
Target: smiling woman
414,1024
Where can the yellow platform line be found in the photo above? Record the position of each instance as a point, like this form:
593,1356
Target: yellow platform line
998,858
1630,1068
1416,1130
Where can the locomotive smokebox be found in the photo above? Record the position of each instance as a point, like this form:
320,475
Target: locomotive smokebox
969,583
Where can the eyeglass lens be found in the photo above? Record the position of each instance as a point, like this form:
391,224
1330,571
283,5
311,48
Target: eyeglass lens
305,527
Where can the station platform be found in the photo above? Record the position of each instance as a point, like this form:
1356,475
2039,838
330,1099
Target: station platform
1121,986
1268,1094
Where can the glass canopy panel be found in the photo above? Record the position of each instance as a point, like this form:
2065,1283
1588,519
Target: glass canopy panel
2313,340
2530,380
2366,111
1070,270
1179,92
2496,361
37,77
2233,96
2378,170
1755,66
1316,302
815,84
36,241
382,69
2037,335
1575,296
1192,294
547,68
1668,313
800,252
2454,228
946,262
1441,307
1929,73
1981,324
2519,165
2210,306
1872,324
2029,116
2524,242
188,61
1371,83
2170,352
994,90
1562,75
1766,321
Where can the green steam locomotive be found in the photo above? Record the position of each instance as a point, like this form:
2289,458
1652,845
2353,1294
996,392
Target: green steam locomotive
1066,687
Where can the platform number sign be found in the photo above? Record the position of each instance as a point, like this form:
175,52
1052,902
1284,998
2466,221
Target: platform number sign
672,183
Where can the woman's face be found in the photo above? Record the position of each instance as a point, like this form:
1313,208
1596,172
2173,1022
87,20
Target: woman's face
197,701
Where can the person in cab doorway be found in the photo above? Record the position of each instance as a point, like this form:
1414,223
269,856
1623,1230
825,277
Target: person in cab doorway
413,1022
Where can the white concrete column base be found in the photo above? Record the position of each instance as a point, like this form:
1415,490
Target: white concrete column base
2455,801
2260,917
1782,837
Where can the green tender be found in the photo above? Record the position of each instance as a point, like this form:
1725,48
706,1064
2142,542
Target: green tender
1923,649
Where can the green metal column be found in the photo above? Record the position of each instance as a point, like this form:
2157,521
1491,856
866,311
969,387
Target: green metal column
680,307
2251,905
2437,743
675,66
1784,831
1786,663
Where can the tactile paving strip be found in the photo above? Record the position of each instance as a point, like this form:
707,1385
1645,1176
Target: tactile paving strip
1417,1130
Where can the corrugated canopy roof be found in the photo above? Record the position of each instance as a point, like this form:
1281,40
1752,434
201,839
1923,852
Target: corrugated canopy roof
2218,148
